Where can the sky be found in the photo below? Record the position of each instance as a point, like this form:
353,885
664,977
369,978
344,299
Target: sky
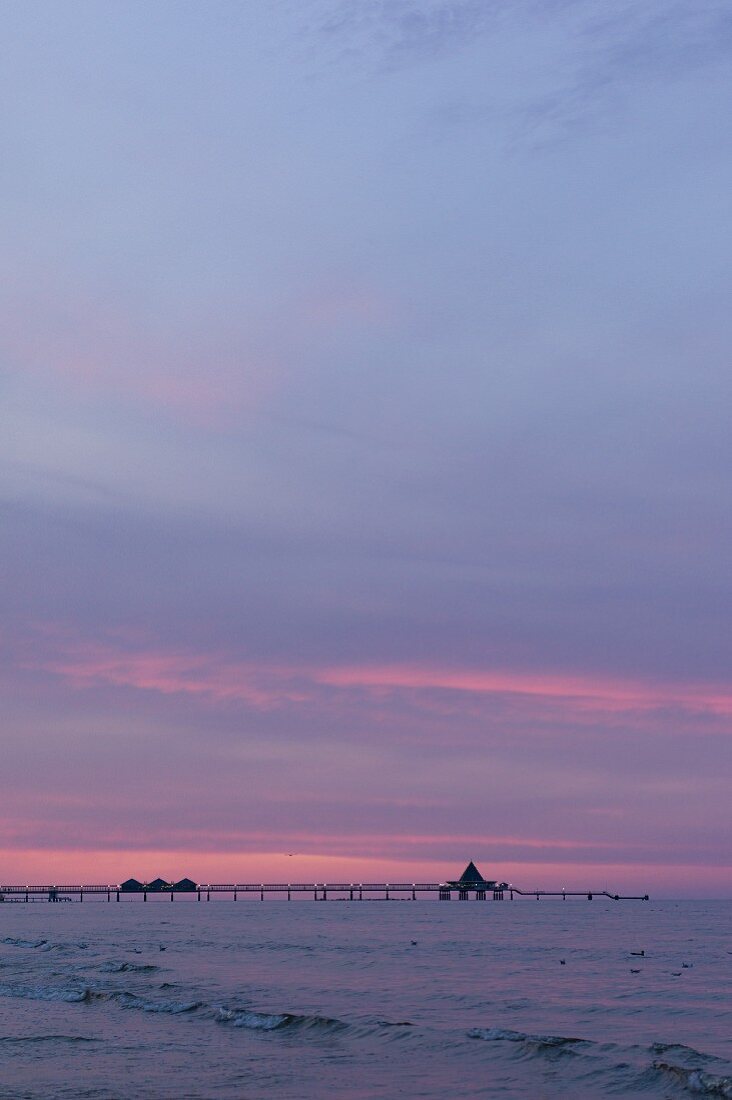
364,441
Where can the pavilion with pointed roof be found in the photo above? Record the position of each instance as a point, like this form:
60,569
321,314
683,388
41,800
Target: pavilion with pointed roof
472,879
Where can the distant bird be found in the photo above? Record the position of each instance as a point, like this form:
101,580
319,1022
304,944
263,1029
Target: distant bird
641,953
414,943
675,973
562,962
634,971
161,947
686,966
138,950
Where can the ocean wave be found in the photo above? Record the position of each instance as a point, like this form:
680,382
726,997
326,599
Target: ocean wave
681,1051
44,945
19,1039
172,1008
17,941
73,946
697,1080
256,1021
501,1034
72,995
273,1021
237,1017
112,967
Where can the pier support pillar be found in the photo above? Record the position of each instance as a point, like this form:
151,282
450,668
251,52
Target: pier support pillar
172,895
118,895
360,893
480,895
144,895
235,895
589,897
414,893
109,895
444,895
208,895
463,895
81,895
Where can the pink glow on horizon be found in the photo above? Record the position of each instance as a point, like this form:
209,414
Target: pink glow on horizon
49,866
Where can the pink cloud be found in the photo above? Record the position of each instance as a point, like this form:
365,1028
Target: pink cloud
579,692
216,678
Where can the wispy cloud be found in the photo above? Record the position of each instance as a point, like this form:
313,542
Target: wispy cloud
218,678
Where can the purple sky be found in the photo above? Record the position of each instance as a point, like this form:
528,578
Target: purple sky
364,445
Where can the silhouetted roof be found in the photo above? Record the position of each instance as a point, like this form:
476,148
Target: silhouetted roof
131,884
184,884
471,874
158,884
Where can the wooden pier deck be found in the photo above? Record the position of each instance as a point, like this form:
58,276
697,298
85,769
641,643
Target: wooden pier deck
318,891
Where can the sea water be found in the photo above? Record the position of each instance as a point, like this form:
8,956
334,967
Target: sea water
365,999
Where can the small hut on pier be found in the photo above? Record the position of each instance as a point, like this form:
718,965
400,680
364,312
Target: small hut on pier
132,886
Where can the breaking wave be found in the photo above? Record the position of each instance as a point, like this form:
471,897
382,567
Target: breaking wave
697,1080
500,1034
246,1018
172,1008
273,1021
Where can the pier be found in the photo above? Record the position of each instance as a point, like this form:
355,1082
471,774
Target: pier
470,884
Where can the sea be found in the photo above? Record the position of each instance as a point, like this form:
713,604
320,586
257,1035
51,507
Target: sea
379,998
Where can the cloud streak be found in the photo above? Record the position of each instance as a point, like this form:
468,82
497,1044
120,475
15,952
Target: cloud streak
218,679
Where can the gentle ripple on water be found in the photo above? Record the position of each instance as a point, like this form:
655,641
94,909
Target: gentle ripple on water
301,1000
